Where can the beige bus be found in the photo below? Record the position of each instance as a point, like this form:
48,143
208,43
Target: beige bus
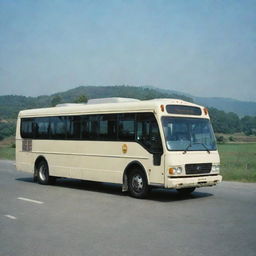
166,143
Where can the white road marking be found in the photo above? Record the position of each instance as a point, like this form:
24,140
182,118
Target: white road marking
30,200
10,217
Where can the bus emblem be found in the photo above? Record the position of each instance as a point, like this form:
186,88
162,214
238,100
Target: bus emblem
124,148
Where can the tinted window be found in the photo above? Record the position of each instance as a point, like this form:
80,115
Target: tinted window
90,127
58,127
126,128
41,128
148,132
27,128
108,127
183,110
73,127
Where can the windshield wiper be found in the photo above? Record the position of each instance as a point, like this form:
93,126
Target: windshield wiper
190,145
207,149
186,149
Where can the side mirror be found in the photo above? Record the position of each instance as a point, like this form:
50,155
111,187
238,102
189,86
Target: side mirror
157,158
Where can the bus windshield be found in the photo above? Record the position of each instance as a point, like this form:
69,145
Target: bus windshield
188,134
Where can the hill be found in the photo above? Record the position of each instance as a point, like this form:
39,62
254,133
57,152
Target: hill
10,105
241,108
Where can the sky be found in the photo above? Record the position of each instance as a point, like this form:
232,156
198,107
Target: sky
201,47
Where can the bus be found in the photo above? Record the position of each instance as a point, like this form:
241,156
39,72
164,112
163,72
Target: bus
165,143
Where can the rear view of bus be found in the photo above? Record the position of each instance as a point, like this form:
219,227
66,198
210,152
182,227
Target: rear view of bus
191,158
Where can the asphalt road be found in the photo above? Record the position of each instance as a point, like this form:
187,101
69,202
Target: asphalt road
84,218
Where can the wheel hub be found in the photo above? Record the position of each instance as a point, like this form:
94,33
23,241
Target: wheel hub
137,183
42,171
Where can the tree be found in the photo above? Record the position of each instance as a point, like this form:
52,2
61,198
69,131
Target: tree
56,100
81,99
221,139
225,122
249,125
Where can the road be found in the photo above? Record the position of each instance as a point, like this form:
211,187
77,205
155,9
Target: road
85,218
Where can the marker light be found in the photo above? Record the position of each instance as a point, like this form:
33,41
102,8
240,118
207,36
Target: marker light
162,108
175,170
171,171
206,111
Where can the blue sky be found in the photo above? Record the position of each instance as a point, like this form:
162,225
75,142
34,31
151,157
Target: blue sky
205,48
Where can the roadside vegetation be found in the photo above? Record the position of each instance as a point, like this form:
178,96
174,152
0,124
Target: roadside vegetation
7,148
238,161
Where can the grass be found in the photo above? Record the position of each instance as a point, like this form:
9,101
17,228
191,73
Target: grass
238,161
7,151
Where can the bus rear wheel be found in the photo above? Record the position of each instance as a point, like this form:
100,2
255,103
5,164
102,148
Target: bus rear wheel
186,191
43,176
137,183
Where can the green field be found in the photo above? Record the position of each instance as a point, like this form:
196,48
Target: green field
7,152
238,161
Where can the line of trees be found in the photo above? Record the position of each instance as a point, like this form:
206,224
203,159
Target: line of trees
58,100
230,123
7,128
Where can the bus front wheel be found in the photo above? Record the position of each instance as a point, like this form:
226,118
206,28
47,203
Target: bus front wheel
137,183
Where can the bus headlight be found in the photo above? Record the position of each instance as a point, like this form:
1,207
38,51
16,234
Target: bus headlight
215,168
175,170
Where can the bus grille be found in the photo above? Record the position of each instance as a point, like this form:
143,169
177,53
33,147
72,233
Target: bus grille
198,168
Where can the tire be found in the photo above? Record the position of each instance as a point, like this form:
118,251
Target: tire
43,176
137,183
186,191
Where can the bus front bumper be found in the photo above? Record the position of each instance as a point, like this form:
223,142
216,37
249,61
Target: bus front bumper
186,182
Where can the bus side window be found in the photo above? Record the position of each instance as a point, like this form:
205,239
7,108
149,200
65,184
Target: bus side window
90,127
108,127
148,132
85,127
126,125
73,127
26,130
58,127
42,127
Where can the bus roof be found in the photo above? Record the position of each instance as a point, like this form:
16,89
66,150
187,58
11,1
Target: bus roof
117,106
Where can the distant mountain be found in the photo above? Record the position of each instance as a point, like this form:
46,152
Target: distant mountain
142,93
10,105
241,108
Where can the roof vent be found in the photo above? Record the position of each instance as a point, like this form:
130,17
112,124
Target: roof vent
111,100
70,104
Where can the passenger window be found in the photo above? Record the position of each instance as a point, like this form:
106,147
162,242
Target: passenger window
27,128
108,127
73,127
90,127
42,128
58,127
126,127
